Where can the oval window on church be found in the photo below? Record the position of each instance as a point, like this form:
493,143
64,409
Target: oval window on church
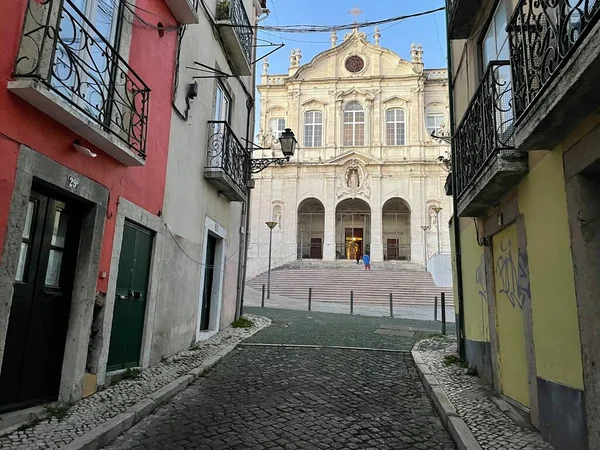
355,64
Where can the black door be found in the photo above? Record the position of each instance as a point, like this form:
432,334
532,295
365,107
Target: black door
209,272
39,315
130,301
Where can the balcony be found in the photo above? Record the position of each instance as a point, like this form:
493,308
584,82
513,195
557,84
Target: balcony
487,163
555,49
237,35
68,70
184,11
461,17
227,162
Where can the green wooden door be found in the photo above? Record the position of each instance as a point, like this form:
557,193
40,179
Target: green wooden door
130,298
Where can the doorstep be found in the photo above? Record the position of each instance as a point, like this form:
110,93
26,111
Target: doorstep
94,421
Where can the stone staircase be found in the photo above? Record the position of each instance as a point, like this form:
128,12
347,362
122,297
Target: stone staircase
333,281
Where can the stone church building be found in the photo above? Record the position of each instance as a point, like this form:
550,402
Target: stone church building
365,177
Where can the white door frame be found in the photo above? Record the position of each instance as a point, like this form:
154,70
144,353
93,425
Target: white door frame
218,231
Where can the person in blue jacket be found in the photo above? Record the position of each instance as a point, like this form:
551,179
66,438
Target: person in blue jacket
367,261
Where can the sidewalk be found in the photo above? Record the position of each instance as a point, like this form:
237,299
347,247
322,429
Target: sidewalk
253,297
92,422
468,407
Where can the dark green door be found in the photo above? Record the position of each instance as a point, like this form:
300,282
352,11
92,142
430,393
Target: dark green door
39,315
130,298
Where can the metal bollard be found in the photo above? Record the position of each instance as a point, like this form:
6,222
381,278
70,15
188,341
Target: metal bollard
309,297
391,305
351,302
262,302
435,308
443,313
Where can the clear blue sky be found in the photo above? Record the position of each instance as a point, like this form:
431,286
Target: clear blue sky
430,30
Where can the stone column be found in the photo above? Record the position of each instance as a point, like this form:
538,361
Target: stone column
376,219
329,238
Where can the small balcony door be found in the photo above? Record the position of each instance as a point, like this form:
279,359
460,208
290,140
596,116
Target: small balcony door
83,61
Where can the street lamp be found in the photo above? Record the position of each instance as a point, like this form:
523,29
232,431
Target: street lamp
288,148
271,225
425,228
437,210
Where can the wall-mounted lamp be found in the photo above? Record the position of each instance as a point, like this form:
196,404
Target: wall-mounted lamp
83,150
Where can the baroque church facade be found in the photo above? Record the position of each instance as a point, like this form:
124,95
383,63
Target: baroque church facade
366,176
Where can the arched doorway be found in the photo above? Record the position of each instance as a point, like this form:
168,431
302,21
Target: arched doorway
352,228
311,229
396,230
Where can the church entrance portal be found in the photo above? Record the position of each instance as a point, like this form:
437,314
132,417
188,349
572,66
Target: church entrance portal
396,230
352,229
311,229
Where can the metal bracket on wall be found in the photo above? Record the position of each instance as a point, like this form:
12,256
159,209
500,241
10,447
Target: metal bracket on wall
214,73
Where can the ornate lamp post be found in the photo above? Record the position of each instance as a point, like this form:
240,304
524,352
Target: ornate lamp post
425,228
271,225
288,147
437,210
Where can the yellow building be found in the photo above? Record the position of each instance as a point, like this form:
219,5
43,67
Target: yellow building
525,130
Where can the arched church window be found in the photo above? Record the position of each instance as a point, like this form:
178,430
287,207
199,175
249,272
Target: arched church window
313,129
395,127
354,124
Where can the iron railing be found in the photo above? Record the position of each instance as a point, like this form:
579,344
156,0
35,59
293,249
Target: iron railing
310,251
226,152
486,127
396,252
543,35
62,49
451,9
234,11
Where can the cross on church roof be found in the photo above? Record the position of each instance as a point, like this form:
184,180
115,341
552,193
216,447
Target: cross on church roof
356,11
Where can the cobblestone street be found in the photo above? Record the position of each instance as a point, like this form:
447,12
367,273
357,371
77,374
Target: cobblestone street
263,397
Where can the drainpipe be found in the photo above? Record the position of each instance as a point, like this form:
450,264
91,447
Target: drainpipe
457,248
245,217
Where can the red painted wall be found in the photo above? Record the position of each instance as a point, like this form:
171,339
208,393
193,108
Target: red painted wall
153,59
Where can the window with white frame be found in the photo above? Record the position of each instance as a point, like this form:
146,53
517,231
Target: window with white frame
354,124
277,126
87,88
395,127
313,129
435,123
222,104
495,44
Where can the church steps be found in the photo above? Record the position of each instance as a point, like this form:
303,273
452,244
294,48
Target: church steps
332,285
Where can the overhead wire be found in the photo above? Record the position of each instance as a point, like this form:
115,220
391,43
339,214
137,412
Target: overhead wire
303,28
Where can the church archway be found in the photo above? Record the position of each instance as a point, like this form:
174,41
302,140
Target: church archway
396,230
311,229
352,228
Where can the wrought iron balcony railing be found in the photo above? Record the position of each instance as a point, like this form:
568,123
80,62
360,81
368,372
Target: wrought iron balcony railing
234,11
543,35
487,126
63,50
227,154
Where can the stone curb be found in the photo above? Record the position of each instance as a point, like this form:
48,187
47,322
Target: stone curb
456,426
114,427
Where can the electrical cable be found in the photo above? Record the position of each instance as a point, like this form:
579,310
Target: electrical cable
328,28
198,262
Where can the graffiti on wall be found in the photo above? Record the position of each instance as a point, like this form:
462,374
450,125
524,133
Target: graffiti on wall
481,280
514,278
524,289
